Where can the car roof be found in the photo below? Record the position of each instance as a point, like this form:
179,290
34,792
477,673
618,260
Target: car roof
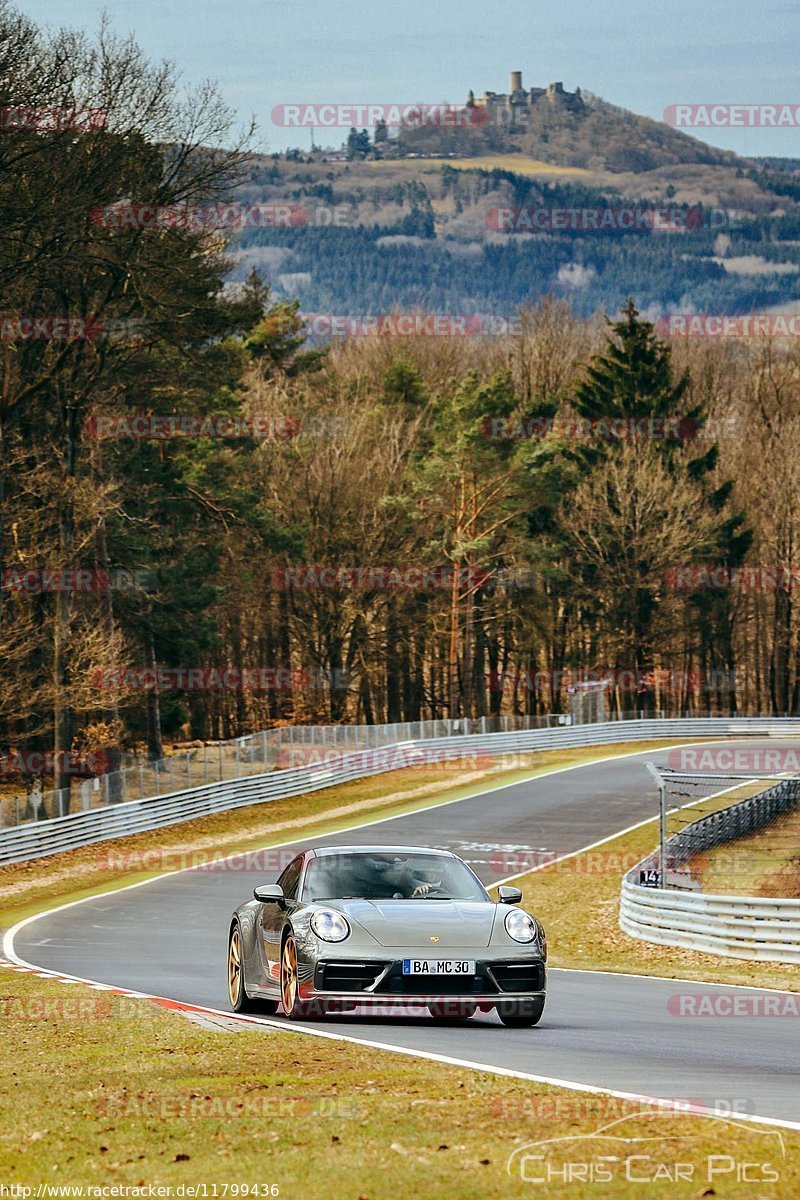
322,851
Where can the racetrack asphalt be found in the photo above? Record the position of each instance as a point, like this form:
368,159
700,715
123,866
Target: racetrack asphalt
611,1031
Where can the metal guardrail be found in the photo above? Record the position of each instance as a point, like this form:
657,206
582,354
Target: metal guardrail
266,750
43,838
753,927
251,754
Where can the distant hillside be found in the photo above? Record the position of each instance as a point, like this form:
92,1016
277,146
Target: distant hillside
591,133
410,222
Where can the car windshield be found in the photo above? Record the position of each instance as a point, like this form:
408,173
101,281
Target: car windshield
394,876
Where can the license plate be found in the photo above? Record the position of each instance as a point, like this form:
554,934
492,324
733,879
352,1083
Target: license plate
438,966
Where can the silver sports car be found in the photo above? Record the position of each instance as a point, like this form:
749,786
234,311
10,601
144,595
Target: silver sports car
385,925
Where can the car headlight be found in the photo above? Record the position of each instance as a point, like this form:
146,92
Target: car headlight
520,926
330,926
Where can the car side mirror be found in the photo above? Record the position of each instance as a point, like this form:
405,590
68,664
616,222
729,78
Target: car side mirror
508,895
270,893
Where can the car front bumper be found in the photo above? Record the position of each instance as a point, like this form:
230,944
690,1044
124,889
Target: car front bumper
378,981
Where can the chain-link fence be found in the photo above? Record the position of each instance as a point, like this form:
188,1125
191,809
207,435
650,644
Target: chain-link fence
252,754
727,833
290,746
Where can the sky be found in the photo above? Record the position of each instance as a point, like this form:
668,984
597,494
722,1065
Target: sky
644,57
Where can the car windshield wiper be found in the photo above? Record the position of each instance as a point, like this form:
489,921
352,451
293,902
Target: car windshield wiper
317,899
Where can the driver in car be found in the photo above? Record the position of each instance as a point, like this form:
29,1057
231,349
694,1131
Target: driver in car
370,877
398,874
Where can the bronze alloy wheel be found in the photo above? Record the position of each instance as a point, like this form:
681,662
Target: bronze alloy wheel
289,985
235,981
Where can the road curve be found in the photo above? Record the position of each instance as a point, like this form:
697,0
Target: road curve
609,1031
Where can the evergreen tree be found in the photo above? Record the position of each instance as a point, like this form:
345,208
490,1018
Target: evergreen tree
633,378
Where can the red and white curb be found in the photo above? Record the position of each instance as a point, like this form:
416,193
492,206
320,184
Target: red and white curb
222,1020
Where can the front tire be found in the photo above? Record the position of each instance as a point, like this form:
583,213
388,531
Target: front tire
290,986
237,991
521,1014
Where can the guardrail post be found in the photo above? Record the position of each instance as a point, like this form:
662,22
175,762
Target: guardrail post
662,828
662,823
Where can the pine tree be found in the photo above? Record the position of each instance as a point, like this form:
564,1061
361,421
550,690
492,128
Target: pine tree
634,378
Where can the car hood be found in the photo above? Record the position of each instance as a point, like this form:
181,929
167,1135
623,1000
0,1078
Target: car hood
415,923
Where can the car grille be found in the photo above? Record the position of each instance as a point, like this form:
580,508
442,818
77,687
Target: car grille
347,976
519,976
490,978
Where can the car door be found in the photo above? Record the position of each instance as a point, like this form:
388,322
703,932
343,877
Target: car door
271,920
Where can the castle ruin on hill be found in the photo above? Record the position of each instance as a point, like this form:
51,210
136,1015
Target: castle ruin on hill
512,109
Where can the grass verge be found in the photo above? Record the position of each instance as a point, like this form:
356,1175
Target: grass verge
766,863
106,1091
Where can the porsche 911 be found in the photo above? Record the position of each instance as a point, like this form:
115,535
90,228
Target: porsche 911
386,927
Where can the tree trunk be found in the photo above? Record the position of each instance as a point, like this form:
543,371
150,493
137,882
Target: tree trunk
110,711
155,744
452,656
62,624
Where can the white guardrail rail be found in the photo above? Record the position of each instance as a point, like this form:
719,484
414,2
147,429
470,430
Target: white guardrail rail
750,927
42,838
